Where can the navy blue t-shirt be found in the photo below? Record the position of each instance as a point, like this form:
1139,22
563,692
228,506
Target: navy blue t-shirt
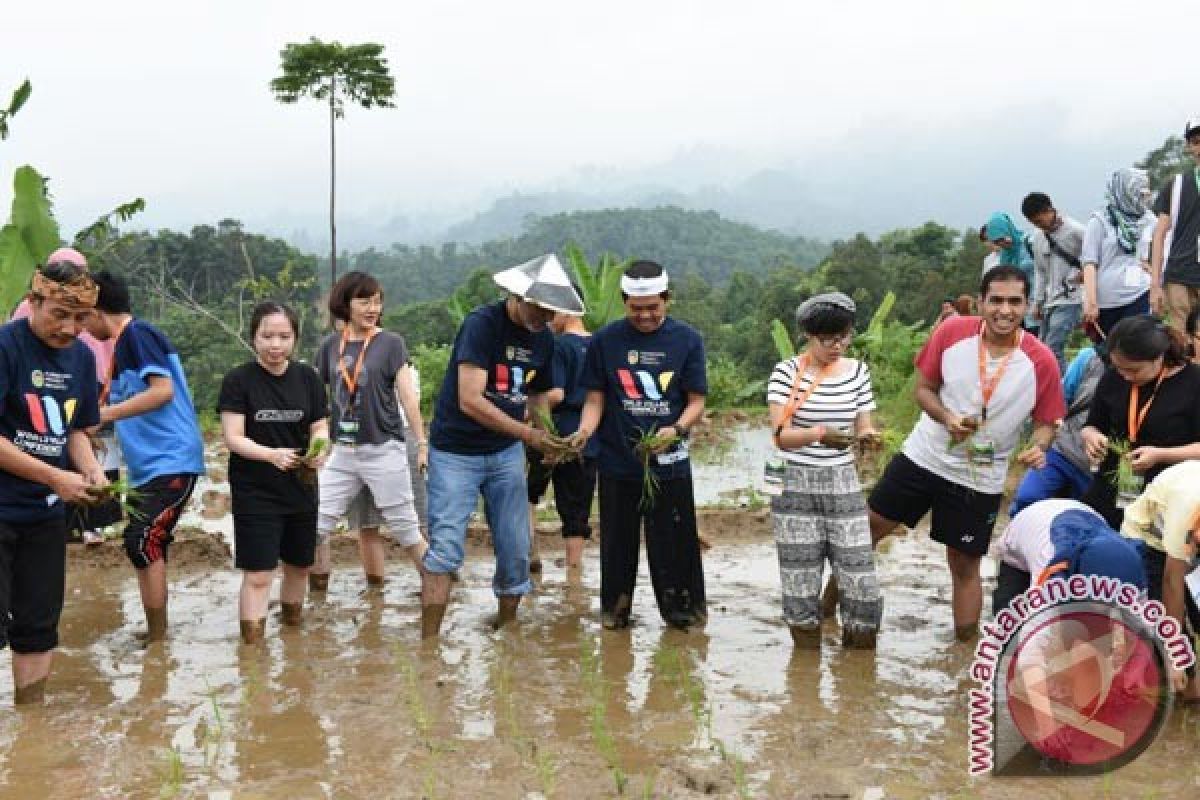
645,378
45,393
517,363
566,369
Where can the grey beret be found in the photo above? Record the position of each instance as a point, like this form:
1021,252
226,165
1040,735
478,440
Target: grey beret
827,300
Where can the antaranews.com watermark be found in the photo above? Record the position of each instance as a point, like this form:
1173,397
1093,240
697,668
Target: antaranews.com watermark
1075,676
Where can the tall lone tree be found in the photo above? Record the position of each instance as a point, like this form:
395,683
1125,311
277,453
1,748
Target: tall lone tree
333,72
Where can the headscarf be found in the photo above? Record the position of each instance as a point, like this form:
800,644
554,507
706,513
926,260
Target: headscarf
812,305
1125,205
1000,226
1089,547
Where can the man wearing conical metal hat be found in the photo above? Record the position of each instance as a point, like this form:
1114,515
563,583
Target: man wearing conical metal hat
500,363
646,383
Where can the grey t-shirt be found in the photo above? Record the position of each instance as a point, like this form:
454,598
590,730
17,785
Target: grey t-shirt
1183,262
375,407
1059,282
1120,278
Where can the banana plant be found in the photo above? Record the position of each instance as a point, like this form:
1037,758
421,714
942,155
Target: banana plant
30,235
600,286
14,105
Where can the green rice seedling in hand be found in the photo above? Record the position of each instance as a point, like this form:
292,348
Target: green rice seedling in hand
1123,477
119,490
317,447
647,444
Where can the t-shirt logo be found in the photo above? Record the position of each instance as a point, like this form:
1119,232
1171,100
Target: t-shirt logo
512,379
37,379
47,417
510,353
633,357
640,384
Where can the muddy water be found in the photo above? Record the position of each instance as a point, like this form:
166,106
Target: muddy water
354,706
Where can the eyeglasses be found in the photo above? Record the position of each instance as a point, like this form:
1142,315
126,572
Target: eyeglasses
835,340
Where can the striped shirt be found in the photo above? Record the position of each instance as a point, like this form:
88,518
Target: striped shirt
835,403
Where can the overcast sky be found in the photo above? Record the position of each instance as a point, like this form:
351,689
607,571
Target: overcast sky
170,100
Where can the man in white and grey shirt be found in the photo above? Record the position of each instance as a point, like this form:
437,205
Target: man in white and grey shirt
1056,244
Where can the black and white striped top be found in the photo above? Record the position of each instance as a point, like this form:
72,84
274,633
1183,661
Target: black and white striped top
835,403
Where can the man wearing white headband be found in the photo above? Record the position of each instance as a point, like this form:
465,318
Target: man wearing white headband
645,376
500,364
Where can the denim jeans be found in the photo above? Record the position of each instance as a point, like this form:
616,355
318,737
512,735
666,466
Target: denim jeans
455,483
1057,324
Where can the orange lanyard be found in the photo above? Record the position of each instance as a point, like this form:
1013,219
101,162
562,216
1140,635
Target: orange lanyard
351,381
987,385
796,401
1136,418
112,363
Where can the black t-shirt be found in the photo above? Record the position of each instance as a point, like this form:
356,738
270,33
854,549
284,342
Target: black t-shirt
279,411
1183,263
1172,421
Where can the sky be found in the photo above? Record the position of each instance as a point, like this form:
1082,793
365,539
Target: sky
170,101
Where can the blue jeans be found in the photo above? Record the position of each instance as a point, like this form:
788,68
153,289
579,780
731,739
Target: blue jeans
1059,478
455,483
1057,324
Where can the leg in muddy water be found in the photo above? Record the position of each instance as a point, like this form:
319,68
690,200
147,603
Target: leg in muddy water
852,559
535,553
435,594
252,630
318,573
152,583
506,610
574,489
801,529
574,546
966,598
620,544
30,671
506,507
881,528
372,549
254,597
291,594
673,553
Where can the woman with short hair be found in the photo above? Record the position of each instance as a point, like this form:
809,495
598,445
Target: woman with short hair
820,404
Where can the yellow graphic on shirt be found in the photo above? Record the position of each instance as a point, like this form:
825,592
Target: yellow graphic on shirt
664,380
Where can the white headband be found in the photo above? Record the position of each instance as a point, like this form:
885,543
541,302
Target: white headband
644,287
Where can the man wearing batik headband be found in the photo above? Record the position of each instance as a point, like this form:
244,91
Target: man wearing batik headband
499,366
48,397
646,383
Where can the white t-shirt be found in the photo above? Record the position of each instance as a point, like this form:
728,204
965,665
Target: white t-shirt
1029,387
1026,542
834,403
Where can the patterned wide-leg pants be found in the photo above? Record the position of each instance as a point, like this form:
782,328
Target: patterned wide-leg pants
821,515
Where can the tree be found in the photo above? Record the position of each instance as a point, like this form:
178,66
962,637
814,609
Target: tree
1165,161
333,72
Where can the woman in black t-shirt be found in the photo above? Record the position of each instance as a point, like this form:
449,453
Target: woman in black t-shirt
271,409
1146,414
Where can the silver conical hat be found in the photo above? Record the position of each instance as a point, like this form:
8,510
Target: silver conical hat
544,282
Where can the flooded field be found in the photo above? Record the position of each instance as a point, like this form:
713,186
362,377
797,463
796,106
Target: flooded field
355,706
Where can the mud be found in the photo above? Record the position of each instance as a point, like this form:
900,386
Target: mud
353,705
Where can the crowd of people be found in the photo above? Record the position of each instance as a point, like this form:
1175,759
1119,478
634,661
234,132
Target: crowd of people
1110,440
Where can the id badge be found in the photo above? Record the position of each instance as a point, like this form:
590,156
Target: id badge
981,452
1130,490
347,431
679,453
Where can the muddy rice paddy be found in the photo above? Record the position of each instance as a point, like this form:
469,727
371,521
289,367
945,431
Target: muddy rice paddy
355,706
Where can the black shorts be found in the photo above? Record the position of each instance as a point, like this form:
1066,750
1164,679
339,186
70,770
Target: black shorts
33,563
537,476
155,508
261,541
962,518
574,488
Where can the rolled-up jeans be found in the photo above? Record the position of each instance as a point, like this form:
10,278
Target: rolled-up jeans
382,468
455,483
1057,324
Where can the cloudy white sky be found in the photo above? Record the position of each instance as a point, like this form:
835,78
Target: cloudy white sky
170,100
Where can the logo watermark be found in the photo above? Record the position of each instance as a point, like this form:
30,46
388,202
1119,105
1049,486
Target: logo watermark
1074,677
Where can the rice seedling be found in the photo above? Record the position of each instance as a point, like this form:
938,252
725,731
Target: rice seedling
317,447
120,490
1123,477
412,692
171,774
648,443
597,695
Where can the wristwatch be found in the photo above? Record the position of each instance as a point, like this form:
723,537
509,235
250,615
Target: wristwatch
682,430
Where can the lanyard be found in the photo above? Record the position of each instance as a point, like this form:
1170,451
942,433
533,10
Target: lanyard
1136,418
351,381
796,401
987,385
112,364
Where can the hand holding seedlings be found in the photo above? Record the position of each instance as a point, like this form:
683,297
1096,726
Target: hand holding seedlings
837,439
71,487
961,427
1144,458
284,458
869,442
317,452
1096,444
1033,457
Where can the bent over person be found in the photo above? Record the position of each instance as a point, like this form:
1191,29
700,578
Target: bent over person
499,364
48,397
646,383
978,382
149,402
